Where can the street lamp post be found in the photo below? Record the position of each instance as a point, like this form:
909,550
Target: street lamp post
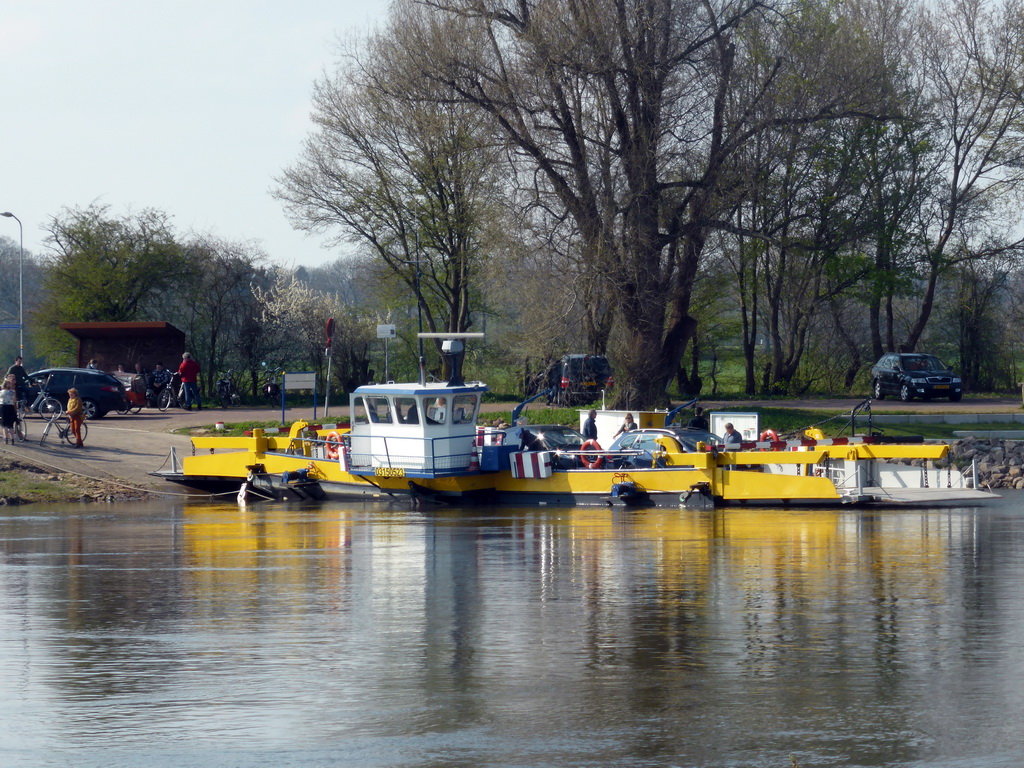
419,313
21,283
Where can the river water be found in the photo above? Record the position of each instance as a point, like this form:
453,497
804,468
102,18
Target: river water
351,635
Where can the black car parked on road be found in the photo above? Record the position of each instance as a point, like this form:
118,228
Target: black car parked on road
911,375
100,392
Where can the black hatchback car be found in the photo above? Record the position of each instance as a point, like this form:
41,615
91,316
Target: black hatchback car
911,375
100,392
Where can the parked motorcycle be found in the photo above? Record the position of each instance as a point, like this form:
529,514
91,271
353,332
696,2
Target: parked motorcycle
226,392
271,389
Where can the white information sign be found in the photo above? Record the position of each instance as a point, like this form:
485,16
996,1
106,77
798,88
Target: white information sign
305,380
386,332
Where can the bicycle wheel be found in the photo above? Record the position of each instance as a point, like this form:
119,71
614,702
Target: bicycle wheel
69,436
46,431
51,409
21,429
164,401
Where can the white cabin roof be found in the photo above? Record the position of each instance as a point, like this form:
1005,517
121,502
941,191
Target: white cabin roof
430,389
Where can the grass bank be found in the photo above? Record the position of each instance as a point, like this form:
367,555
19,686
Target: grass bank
24,483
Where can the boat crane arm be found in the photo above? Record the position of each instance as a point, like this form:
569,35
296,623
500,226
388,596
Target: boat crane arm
519,408
672,414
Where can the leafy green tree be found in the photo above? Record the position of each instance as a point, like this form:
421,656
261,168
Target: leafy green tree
212,300
102,268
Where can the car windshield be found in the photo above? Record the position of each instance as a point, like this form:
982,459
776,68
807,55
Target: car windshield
690,437
642,440
564,437
923,363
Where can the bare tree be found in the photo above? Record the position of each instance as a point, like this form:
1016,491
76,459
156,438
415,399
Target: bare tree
970,62
629,113
406,173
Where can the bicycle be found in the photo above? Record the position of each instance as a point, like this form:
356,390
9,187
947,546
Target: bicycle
48,408
20,427
63,424
45,404
172,395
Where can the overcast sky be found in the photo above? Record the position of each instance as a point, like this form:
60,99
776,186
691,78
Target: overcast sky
188,106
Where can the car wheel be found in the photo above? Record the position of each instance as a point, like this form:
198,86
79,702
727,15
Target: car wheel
905,394
955,397
91,410
879,394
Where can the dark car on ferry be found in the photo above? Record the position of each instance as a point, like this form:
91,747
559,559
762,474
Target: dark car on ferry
910,375
547,437
100,392
544,437
638,448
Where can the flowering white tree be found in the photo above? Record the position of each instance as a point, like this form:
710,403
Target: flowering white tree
294,315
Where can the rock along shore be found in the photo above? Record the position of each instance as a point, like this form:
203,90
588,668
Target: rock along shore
1000,462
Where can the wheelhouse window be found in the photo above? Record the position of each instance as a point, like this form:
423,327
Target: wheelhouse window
407,410
464,409
359,415
379,409
437,411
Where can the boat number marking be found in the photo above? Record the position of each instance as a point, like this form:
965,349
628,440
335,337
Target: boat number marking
389,471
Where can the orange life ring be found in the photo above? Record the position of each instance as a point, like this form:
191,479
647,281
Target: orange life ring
591,462
333,445
769,434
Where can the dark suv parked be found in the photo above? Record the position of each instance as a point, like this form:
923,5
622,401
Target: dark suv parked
914,375
100,392
579,379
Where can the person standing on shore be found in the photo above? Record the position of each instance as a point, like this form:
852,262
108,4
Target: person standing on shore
8,408
76,414
21,381
189,370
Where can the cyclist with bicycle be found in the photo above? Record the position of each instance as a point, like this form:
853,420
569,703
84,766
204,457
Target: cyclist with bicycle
158,379
21,381
76,415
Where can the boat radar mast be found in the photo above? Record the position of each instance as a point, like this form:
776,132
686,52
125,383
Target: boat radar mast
453,351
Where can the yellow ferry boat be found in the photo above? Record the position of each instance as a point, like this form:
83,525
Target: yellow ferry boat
421,441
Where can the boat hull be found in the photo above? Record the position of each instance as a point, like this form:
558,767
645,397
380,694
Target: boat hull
752,478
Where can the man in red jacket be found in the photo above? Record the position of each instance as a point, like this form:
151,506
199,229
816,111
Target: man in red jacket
189,370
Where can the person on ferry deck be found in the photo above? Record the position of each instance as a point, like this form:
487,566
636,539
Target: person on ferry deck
699,420
590,426
733,439
628,425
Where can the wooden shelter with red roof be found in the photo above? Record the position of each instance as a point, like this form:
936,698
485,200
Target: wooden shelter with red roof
127,343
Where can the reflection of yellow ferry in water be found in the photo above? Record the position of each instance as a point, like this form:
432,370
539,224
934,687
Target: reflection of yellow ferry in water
421,441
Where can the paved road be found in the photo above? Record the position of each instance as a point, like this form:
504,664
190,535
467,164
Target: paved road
128,448
971,405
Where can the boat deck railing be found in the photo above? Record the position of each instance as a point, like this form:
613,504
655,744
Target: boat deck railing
412,456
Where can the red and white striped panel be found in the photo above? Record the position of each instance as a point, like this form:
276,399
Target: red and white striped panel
531,464
488,436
